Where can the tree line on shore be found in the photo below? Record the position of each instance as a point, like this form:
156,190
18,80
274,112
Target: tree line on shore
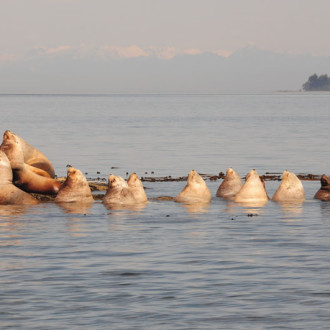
317,83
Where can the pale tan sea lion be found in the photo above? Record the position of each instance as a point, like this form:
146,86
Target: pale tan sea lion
136,188
9,194
230,186
195,191
290,189
121,193
24,178
324,192
74,189
32,156
253,190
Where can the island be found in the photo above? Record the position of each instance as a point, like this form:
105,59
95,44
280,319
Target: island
317,83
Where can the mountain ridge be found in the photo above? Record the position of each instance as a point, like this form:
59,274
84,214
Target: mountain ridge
248,70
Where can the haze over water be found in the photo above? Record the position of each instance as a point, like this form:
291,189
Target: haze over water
172,134
168,265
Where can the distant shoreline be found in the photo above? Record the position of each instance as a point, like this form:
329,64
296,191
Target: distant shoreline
138,94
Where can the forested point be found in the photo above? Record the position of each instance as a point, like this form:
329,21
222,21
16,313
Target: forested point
317,83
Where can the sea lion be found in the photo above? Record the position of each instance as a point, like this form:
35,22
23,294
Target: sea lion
74,189
290,189
121,193
24,178
230,186
195,191
33,157
324,192
9,194
136,188
253,190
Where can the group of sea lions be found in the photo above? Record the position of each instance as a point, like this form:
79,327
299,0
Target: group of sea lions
254,189
25,169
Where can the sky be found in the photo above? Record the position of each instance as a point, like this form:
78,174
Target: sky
134,27
155,46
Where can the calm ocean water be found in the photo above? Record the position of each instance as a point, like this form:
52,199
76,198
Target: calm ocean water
169,266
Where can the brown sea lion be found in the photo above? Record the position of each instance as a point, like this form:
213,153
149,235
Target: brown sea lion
32,156
324,192
290,189
230,186
121,193
253,190
195,191
24,178
9,194
74,189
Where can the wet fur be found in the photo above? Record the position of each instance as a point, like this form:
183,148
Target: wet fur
124,193
230,186
75,188
9,194
290,189
32,156
253,189
23,177
195,191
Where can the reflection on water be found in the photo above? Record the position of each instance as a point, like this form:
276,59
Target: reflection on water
76,207
11,225
254,207
196,207
325,208
13,211
130,207
230,206
291,208
77,227
252,204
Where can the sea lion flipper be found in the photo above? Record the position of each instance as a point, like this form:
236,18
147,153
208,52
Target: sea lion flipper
38,171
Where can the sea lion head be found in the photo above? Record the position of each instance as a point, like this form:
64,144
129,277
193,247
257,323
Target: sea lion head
195,190
195,178
75,188
325,181
7,135
9,138
12,146
136,188
116,182
75,176
252,175
118,191
289,179
230,172
254,178
290,189
134,181
232,176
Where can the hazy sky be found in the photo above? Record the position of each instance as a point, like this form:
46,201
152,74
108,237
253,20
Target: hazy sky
295,26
